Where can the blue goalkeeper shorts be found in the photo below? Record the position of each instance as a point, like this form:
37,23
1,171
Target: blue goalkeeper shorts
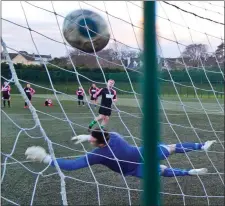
163,151
138,172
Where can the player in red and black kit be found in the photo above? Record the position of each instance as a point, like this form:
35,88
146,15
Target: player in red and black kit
29,92
80,95
93,90
48,103
6,93
108,97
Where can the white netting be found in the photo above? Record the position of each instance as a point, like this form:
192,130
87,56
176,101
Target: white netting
191,109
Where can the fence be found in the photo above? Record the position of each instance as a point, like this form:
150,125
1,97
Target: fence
66,81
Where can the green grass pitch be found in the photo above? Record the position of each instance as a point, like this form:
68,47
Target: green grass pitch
18,183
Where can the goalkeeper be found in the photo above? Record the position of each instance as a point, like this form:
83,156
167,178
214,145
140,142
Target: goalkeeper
128,156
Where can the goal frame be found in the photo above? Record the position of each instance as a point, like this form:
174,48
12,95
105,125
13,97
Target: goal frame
150,108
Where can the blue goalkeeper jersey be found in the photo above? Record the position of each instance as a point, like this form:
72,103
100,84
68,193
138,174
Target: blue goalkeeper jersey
128,156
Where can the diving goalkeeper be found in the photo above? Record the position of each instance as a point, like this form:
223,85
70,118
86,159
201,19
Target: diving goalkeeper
128,156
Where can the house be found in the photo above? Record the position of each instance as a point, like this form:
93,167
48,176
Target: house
132,62
168,63
181,63
25,58
212,62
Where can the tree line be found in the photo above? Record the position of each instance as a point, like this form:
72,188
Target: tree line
193,56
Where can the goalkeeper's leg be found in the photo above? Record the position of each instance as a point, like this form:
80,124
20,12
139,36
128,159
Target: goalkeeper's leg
189,146
171,172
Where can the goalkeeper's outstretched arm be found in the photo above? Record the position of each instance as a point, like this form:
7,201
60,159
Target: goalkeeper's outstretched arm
38,154
75,164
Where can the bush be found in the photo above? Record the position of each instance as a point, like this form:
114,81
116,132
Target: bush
37,73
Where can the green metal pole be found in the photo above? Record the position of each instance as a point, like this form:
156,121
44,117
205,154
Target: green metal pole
150,108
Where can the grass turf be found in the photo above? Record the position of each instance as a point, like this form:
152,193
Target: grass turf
18,183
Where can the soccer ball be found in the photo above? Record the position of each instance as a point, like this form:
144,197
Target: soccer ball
76,34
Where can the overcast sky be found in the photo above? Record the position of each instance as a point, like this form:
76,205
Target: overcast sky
46,24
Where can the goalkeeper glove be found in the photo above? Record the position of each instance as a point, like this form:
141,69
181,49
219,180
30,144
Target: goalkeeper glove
38,154
81,138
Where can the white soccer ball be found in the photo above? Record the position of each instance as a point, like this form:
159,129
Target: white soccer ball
76,33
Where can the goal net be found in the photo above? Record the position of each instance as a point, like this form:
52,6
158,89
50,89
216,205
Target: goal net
190,49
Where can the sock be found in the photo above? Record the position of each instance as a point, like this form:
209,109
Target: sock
92,123
9,103
78,102
187,147
169,172
4,103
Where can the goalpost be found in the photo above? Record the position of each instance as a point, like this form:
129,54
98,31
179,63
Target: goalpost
188,106
150,108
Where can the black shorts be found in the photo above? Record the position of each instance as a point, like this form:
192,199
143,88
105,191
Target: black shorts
29,97
46,103
6,97
80,97
92,98
105,111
